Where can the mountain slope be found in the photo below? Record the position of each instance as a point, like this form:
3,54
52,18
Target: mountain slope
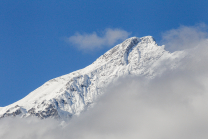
70,94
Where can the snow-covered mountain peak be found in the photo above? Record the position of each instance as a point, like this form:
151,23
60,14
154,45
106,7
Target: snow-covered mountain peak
70,94
119,50
119,54
147,39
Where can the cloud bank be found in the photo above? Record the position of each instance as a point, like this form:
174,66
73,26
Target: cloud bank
172,106
93,41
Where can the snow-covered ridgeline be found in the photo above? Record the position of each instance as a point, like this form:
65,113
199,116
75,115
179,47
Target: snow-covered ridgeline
73,93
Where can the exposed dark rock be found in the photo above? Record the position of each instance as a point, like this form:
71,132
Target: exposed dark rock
15,113
50,111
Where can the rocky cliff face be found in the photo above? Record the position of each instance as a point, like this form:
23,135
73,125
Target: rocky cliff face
73,93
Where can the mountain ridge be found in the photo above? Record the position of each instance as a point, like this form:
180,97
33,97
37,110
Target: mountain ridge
71,94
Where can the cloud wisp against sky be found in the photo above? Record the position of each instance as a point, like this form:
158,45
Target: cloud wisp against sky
184,37
173,105
93,41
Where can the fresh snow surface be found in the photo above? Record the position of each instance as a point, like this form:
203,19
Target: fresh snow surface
71,94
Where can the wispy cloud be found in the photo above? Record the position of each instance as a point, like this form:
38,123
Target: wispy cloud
92,41
184,37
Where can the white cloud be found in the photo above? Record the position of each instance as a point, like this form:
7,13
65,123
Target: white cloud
93,41
184,37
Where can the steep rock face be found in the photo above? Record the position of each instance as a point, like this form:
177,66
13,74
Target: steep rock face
73,93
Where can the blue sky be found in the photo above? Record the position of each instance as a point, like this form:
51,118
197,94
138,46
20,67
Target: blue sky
41,40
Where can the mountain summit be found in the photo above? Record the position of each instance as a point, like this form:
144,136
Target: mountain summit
70,94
